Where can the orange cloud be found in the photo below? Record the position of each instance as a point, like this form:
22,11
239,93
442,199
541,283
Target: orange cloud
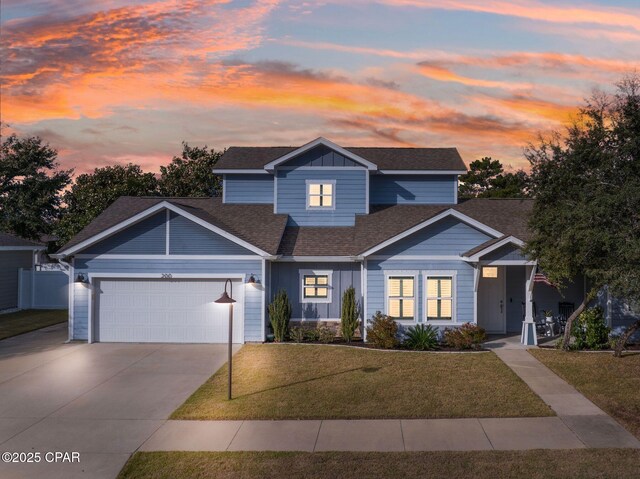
440,73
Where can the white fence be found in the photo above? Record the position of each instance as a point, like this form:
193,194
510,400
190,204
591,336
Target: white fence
43,289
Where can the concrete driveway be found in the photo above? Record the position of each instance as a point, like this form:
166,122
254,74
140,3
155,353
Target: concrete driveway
101,400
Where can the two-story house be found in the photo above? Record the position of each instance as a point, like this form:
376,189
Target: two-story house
314,220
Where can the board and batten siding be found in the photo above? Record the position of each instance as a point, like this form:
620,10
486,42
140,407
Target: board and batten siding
287,275
248,188
447,237
253,295
187,237
350,196
321,155
10,263
508,252
144,237
412,189
377,269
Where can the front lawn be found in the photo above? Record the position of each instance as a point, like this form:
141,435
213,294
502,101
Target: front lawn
611,383
284,381
538,464
12,324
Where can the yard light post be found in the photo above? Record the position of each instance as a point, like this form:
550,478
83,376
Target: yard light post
228,299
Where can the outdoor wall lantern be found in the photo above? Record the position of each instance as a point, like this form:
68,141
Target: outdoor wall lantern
228,299
252,280
81,279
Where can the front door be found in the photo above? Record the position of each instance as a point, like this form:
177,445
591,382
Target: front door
491,299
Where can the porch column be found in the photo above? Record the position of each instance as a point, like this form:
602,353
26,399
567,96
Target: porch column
529,336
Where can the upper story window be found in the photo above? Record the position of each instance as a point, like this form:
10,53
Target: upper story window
321,194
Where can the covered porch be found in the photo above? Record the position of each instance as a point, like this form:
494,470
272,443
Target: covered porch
508,290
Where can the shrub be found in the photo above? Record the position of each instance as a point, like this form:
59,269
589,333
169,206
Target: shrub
297,334
467,336
590,330
382,332
324,334
421,338
279,315
349,318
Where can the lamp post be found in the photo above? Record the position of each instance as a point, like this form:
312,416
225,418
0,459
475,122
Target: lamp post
228,299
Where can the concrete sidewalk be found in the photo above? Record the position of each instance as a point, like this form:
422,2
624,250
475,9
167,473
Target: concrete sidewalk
592,425
365,435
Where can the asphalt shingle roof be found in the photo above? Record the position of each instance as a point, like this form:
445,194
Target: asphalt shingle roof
256,157
8,239
259,226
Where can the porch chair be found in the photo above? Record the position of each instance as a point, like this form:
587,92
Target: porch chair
565,310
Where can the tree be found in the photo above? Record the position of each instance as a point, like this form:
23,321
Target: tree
350,313
30,186
93,192
486,179
586,185
191,174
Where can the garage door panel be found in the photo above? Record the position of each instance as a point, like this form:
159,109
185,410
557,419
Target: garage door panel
137,310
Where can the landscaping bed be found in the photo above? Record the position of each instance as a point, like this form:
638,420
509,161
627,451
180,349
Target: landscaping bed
611,383
538,464
289,381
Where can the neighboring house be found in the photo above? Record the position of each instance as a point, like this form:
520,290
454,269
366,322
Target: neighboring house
313,220
15,253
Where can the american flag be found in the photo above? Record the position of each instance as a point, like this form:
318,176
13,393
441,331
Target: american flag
541,278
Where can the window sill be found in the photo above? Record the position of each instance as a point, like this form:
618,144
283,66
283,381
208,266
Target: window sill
316,301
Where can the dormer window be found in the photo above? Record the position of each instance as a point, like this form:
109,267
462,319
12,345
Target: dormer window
321,194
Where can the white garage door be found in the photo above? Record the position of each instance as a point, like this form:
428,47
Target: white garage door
165,311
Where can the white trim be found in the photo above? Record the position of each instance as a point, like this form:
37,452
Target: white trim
426,274
405,273
224,190
72,297
476,284
219,171
318,272
149,212
166,229
316,320
321,168
312,144
310,182
313,259
422,172
363,295
450,212
126,275
502,276
263,314
455,191
507,262
169,257
366,193
495,246
22,248
408,257
275,194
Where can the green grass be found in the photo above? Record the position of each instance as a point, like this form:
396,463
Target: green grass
611,383
284,381
13,324
537,464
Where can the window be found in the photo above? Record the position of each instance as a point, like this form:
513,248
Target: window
439,298
320,194
316,286
489,272
400,296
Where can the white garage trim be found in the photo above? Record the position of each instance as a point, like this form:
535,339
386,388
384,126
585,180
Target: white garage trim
98,276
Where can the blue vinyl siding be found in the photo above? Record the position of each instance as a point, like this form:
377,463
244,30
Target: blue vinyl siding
412,189
145,237
350,196
253,301
507,252
187,237
464,285
448,236
248,188
287,276
320,156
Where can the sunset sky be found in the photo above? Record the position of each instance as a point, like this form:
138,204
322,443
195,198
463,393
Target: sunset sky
115,81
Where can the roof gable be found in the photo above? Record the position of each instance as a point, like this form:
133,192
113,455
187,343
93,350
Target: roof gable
317,144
